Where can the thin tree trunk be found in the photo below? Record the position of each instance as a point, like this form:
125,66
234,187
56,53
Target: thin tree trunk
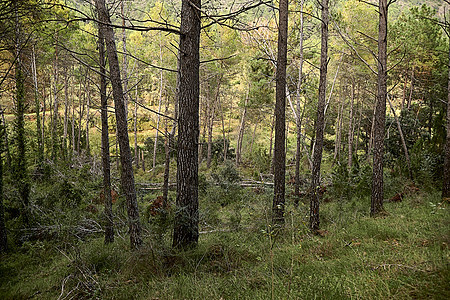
125,59
136,148
127,176
411,89
225,143
106,161
88,110
253,137
279,161
55,142
210,136
298,120
21,174
241,130
379,130
66,110
37,107
186,216
337,143
155,146
320,122
3,232
402,138
446,177
350,129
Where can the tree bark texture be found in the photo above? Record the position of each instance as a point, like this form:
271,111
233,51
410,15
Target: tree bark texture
3,232
279,161
446,179
20,172
127,176
380,114
106,160
314,220
186,216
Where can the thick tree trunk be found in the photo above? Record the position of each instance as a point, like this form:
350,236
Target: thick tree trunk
279,161
186,217
380,114
314,220
106,161
127,176
446,179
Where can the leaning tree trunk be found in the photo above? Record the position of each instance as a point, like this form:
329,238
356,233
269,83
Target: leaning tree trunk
185,232
314,220
279,161
446,179
106,160
380,114
127,176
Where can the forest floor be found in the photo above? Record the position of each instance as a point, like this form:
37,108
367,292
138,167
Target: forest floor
401,255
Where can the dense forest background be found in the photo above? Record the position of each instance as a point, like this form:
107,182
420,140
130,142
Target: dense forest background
107,191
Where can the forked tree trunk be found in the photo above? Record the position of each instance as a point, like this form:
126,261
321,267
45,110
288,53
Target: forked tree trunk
127,176
106,161
314,220
379,129
279,161
186,217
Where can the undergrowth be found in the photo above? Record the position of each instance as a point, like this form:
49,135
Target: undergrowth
403,255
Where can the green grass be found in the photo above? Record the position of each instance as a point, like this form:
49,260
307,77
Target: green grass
403,255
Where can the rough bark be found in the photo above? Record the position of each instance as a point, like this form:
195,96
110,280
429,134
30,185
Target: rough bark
20,171
314,220
446,177
127,176
279,161
380,114
106,160
55,119
3,232
186,216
